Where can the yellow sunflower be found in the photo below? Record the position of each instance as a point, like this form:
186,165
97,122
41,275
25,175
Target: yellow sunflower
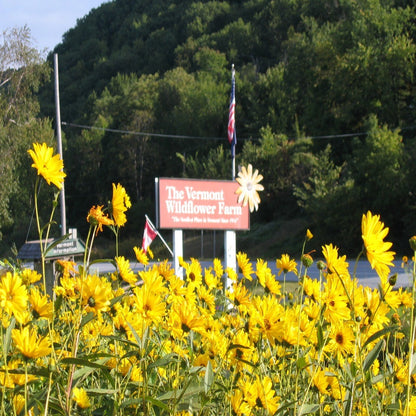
125,271
341,340
285,264
150,305
266,278
96,294
49,166
41,305
13,296
30,344
249,185
97,218
378,251
260,394
80,397
245,265
119,205
184,317
141,256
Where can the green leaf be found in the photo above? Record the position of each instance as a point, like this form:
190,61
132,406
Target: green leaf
139,341
83,362
8,336
372,355
380,333
394,407
163,361
87,318
308,408
123,340
301,363
209,377
102,391
320,336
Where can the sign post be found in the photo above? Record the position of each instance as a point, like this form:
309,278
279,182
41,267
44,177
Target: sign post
230,247
178,251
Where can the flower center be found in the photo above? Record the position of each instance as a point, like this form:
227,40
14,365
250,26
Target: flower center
339,339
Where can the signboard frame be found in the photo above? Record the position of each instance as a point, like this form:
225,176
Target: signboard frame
199,204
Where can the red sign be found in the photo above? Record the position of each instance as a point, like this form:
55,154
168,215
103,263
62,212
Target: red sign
201,204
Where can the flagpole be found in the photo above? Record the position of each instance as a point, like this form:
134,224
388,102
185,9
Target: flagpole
230,235
157,232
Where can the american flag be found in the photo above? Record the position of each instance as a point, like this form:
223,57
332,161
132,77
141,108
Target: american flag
232,138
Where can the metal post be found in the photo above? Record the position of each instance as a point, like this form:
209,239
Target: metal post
59,138
178,251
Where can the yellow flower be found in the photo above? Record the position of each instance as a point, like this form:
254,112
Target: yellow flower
242,351
239,405
218,268
341,340
184,317
336,301
213,281
13,296
80,397
309,234
266,278
245,265
267,315
335,264
96,293
378,254
141,256
149,304
41,305
19,405
49,166
411,408
125,271
66,267
261,394
29,344
249,185
193,272
30,276
320,381
240,296
285,264
119,205
97,218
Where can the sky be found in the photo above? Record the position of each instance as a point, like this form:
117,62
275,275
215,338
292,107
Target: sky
47,20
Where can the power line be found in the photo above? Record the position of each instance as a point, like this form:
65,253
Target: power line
175,136
140,133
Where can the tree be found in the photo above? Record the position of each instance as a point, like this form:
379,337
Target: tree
22,70
328,198
283,163
379,168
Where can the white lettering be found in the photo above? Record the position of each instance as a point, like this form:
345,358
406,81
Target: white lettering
229,209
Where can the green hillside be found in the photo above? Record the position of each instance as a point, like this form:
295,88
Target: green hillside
325,109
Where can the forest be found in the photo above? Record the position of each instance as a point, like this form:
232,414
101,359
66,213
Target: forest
325,110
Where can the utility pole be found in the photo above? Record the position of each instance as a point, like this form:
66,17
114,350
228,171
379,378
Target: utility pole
59,138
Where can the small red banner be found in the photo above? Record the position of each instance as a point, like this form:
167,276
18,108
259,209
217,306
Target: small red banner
201,204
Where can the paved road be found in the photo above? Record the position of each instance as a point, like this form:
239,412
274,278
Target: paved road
364,273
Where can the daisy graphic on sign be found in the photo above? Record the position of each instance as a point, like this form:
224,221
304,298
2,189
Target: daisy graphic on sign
249,187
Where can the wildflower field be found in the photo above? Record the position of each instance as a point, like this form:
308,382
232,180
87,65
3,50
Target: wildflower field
152,343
